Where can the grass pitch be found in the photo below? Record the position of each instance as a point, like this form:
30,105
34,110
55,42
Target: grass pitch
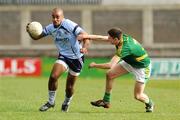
20,99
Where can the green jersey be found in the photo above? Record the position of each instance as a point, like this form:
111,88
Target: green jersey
132,52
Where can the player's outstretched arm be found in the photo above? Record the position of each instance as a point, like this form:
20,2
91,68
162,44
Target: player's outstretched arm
107,65
34,38
93,37
100,65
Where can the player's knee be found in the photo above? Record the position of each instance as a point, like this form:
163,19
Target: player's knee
137,96
53,77
109,75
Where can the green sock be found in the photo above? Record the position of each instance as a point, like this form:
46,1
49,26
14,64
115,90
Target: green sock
149,102
107,97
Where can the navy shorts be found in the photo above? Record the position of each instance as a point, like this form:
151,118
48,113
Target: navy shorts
73,65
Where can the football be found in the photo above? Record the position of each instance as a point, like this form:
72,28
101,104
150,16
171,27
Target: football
35,29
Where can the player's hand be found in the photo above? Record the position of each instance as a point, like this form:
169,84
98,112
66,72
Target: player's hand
27,27
27,30
84,50
92,64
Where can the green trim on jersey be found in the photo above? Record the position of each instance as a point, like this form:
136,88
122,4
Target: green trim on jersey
132,52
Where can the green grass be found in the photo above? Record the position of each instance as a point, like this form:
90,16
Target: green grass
20,99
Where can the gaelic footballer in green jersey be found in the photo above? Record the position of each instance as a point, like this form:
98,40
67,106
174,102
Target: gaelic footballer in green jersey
130,56
132,52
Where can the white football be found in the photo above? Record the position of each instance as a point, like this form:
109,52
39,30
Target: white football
35,29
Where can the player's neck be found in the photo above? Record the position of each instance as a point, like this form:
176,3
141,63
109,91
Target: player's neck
56,26
119,44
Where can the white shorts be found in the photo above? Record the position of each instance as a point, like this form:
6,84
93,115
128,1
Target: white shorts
141,74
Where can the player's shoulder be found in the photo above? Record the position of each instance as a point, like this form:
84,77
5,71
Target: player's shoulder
71,26
68,23
127,37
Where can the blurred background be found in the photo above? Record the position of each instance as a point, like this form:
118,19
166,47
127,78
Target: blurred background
154,23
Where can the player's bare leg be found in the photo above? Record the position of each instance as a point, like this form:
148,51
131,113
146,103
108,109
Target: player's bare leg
113,73
141,96
56,72
70,82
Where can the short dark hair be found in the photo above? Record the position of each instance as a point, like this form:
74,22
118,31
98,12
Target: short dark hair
115,32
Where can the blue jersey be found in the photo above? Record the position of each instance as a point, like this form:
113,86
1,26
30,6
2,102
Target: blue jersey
65,38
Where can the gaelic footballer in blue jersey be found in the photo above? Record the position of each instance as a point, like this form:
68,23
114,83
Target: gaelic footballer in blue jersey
71,56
